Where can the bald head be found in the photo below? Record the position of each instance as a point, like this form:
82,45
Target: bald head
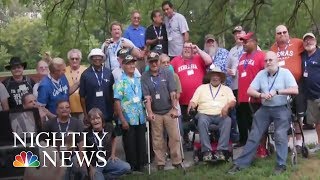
282,34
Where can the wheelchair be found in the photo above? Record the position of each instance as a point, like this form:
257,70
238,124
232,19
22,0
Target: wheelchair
291,131
214,137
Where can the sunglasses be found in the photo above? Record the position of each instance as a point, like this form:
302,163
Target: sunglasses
283,32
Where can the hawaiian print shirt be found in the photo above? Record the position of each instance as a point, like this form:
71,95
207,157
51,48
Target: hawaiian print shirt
221,59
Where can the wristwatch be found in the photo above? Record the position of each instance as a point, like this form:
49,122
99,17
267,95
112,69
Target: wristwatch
277,92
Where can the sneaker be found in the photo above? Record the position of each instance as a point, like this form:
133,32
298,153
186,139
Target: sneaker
262,152
207,156
160,167
315,149
219,156
279,169
234,169
298,149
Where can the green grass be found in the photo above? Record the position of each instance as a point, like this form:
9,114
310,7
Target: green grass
260,169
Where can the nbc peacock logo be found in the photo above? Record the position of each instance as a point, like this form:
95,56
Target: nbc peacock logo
26,159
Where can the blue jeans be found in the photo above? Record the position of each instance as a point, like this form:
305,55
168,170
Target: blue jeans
113,169
280,115
224,130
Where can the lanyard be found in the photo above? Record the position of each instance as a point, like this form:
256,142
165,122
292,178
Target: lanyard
246,62
132,85
115,47
307,61
55,85
96,140
155,31
170,21
156,84
273,80
239,54
99,81
214,97
59,126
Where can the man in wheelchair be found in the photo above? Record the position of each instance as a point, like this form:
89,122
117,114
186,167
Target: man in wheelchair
272,85
213,101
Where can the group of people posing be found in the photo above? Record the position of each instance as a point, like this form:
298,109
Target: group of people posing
156,74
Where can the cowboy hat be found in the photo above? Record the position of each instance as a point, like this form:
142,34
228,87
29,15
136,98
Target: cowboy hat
14,61
216,70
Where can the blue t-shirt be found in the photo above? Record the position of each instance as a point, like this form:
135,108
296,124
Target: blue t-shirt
312,66
264,83
98,96
50,92
136,35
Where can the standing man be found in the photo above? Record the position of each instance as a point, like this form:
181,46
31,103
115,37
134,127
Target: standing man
159,89
111,46
177,29
250,63
272,85
42,71
73,74
96,86
129,107
136,33
191,69
311,81
156,34
18,84
54,87
218,55
289,54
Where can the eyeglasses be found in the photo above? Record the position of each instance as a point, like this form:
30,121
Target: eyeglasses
136,18
268,60
283,32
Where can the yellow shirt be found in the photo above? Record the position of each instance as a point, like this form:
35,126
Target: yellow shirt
206,102
72,77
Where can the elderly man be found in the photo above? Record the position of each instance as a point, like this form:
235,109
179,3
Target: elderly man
18,84
250,63
111,46
73,74
96,86
289,54
311,81
191,69
54,86
218,55
177,29
272,85
214,100
159,89
128,103
156,34
64,123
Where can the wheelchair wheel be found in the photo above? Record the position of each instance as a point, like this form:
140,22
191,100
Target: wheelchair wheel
305,151
271,149
293,159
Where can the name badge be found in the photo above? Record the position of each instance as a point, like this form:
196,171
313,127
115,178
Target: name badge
243,74
215,104
282,63
136,99
305,74
169,38
190,72
157,96
99,94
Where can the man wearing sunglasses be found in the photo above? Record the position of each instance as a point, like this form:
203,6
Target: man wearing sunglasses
272,85
289,51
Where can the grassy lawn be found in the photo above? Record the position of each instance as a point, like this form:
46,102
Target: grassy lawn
260,169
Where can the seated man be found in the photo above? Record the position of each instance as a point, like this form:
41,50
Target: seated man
272,85
214,100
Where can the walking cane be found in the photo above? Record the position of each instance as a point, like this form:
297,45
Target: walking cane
181,147
148,138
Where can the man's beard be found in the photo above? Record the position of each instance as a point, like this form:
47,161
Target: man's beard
211,50
310,47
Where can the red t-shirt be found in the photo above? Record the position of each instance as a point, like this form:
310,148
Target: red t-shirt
191,73
249,66
290,56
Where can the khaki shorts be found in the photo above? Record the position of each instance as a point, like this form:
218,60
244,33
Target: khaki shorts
313,111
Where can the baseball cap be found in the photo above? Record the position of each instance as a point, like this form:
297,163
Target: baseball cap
123,52
153,56
249,35
237,29
128,58
209,36
309,34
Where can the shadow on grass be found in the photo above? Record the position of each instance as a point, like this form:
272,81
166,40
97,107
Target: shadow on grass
260,169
